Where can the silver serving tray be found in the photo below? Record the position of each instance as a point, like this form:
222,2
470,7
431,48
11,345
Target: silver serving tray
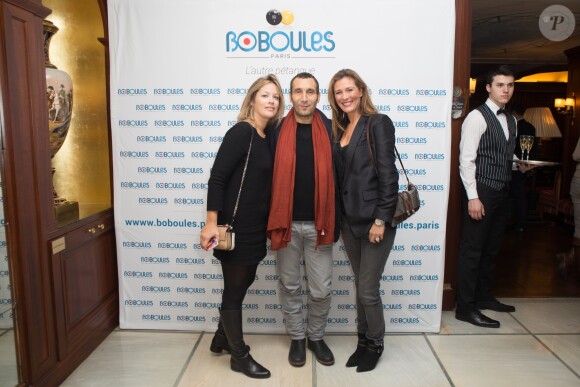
536,162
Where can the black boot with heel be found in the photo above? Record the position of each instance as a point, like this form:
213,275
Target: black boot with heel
369,359
241,360
219,343
358,353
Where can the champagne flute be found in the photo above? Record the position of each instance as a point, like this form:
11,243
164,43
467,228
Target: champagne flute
523,144
529,145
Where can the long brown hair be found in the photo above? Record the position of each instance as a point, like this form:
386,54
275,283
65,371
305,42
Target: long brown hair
366,107
247,110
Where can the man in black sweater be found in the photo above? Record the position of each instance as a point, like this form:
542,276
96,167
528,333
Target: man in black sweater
302,225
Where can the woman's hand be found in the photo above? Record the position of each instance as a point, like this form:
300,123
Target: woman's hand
210,230
376,233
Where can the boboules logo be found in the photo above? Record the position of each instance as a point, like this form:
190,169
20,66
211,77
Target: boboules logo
282,40
275,17
191,318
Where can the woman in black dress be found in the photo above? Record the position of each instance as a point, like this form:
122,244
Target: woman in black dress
263,107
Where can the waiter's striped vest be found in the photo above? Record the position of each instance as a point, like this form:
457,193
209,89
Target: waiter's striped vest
495,152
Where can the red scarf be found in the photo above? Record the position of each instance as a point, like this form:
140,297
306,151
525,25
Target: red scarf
280,220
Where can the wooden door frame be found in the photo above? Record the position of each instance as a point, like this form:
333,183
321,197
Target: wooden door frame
461,74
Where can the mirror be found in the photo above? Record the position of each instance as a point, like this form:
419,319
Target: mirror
8,363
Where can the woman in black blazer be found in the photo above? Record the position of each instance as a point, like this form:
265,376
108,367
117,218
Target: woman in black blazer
368,195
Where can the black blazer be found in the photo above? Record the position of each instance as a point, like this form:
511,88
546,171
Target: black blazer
366,195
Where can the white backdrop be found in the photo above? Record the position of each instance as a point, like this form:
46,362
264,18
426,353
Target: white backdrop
179,72
5,289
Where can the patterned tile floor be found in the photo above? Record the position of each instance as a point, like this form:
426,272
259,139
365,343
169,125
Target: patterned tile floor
538,345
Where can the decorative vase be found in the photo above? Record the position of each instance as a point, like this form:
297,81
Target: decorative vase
59,99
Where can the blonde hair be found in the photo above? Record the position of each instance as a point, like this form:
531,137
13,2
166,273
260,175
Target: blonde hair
366,107
247,110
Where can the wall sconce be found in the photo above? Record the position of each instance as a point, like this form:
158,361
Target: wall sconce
472,83
564,105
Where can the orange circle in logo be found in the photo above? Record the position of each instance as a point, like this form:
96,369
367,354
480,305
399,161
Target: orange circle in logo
287,17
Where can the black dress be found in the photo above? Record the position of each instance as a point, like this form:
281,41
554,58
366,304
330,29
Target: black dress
224,183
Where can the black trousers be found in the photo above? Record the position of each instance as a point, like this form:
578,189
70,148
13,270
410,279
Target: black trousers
520,196
479,245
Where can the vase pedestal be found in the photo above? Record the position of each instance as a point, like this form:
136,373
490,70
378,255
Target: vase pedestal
66,212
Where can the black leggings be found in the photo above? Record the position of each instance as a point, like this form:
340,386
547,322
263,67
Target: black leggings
237,280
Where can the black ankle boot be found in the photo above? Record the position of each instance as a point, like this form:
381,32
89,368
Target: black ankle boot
241,360
369,359
248,366
360,350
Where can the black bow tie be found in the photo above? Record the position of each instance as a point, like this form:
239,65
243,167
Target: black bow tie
501,111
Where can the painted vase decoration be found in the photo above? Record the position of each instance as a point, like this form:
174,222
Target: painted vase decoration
59,102
59,99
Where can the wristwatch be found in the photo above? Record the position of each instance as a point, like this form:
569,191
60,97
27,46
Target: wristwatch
379,222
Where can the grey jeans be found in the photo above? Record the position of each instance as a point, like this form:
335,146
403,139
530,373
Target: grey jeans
368,262
318,268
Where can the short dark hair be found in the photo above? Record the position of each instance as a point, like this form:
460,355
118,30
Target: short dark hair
305,75
501,70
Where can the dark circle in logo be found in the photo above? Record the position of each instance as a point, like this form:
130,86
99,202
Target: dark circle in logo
274,17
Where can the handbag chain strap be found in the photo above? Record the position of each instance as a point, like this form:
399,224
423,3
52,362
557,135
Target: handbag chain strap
242,182
368,133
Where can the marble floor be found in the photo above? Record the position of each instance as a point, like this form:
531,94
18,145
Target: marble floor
8,372
538,345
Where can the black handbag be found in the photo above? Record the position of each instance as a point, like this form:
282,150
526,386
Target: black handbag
408,201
